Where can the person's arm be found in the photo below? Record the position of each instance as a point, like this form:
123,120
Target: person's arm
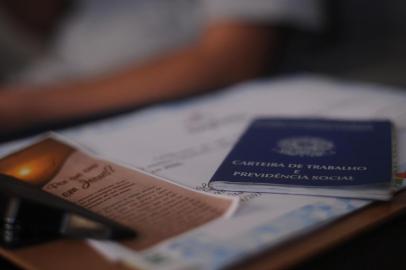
226,53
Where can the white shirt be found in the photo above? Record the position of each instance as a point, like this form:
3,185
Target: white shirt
103,35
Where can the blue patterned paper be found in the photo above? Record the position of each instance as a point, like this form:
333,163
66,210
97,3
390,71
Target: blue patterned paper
204,252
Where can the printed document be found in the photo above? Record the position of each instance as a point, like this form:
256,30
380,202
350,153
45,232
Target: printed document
186,141
132,198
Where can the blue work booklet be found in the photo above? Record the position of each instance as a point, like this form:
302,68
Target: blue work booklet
321,157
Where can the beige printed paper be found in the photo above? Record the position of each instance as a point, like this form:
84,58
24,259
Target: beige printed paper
155,208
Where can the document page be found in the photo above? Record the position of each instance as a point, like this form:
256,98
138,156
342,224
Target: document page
137,200
186,141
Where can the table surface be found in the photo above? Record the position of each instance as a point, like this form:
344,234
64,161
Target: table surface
373,238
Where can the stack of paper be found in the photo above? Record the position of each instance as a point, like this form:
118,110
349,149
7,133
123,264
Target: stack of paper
185,142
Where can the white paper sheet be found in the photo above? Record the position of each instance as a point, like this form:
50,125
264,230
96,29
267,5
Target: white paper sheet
186,141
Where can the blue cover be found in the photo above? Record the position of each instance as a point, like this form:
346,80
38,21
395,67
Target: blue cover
310,153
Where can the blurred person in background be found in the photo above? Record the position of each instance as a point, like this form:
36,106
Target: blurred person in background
64,60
